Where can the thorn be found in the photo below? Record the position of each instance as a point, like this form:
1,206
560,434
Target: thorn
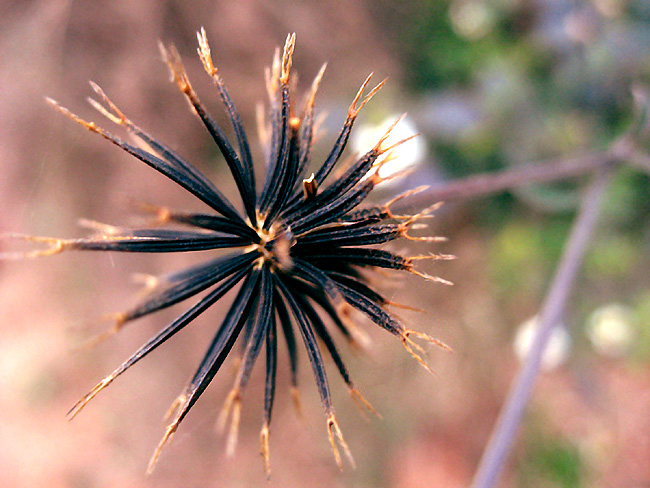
179,76
272,75
353,111
231,445
429,277
83,401
169,432
119,318
424,214
163,215
380,163
415,350
383,138
377,178
403,230
175,407
287,58
429,339
400,197
319,121
264,449
102,110
295,396
399,143
205,54
120,119
362,404
437,257
408,266
55,244
103,229
88,125
234,397
335,435
314,88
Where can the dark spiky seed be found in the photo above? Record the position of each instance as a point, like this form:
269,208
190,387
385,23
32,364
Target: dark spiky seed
300,258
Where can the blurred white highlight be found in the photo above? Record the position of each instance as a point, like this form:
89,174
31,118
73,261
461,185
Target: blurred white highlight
610,330
403,157
557,348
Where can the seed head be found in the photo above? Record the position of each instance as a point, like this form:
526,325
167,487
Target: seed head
299,257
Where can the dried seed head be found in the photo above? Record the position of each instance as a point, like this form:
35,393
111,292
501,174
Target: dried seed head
299,246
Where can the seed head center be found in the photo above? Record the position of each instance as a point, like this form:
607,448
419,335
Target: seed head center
274,246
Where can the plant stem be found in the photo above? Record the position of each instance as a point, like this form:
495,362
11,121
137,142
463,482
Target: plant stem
496,182
552,311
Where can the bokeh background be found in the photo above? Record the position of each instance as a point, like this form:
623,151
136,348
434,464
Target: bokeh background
489,84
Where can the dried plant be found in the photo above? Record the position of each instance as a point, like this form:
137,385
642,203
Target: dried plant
303,247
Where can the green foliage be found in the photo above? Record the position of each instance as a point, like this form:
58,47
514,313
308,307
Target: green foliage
641,349
523,253
612,256
552,463
541,81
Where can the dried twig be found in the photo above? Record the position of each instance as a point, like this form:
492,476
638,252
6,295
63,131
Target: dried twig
628,149
550,315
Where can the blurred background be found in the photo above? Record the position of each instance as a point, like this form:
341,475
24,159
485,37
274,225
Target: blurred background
488,84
